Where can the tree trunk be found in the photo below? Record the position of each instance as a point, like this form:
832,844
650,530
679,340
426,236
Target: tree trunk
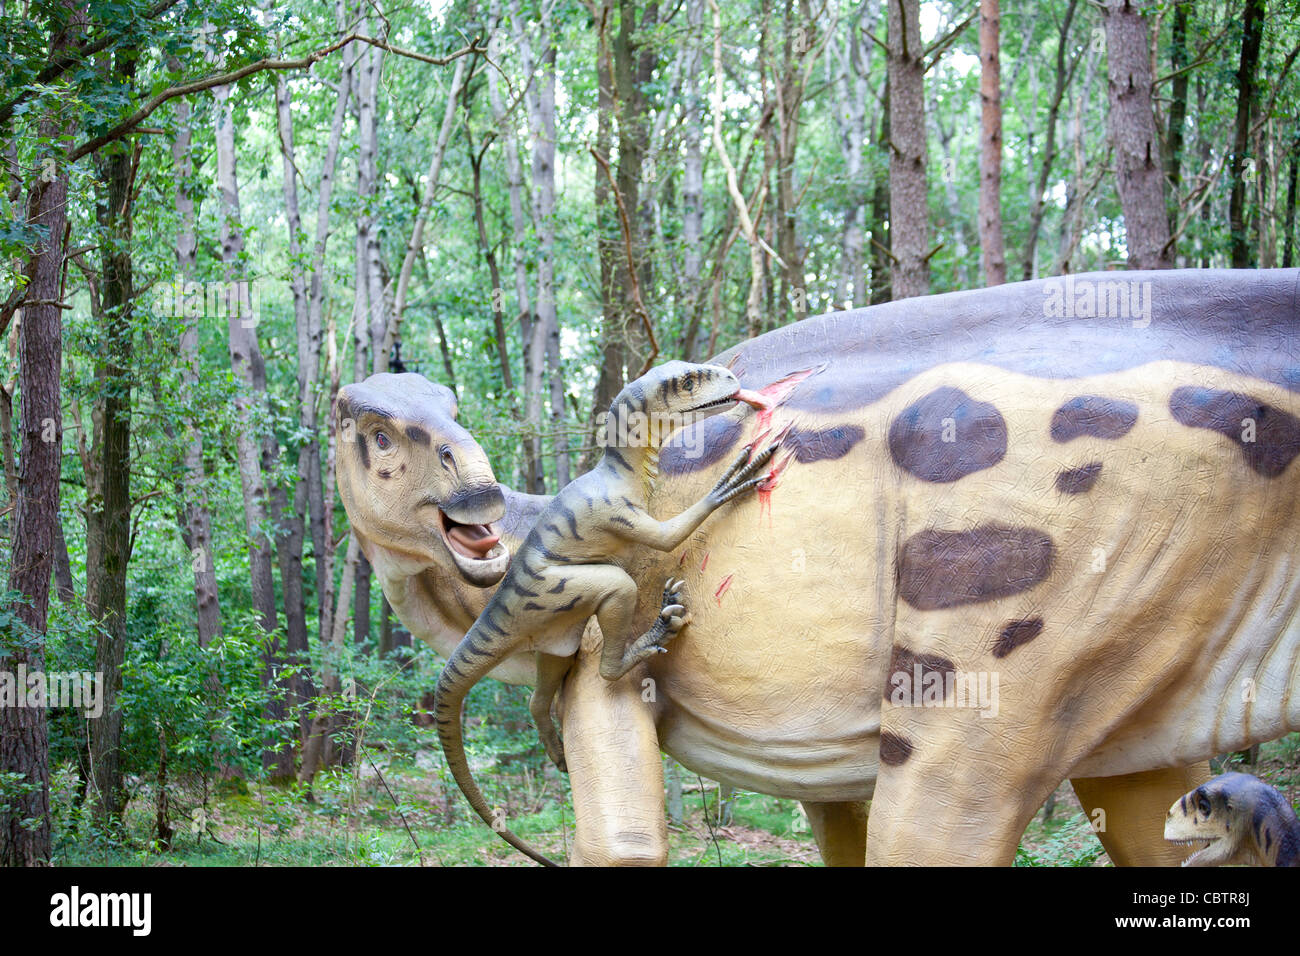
908,199
1077,192
24,734
416,243
882,258
250,378
309,495
692,177
609,242
748,226
532,479
197,517
1177,107
799,49
378,314
497,303
1136,144
1064,75
1288,243
992,252
320,496
543,132
108,512
852,94
1246,70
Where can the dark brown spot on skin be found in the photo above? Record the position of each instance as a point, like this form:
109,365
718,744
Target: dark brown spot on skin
826,444
1094,416
1017,634
1231,414
941,569
698,446
1078,480
385,473
417,435
363,450
894,750
904,661
976,433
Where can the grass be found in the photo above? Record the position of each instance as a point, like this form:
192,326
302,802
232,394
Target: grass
399,816
352,820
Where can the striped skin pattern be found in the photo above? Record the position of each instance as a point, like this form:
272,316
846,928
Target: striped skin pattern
568,568
1238,819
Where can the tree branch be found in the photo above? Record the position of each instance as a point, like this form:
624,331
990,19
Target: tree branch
939,47
225,79
56,69
637,302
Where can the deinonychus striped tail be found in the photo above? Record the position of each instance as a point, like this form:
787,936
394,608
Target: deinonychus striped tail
476,654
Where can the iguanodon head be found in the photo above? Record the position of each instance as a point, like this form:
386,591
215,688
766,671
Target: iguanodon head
1218,814
413,481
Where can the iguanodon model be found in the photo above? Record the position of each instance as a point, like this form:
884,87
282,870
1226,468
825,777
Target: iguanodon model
1081,491
1240,819
569,567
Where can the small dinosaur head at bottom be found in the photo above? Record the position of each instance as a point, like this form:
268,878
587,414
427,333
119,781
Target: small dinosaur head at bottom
669,397
1238,818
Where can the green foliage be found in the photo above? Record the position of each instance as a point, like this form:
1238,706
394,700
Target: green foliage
206,708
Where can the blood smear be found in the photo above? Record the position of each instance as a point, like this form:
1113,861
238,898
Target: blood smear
768,484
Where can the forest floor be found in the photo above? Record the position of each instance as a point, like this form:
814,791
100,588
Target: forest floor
396,813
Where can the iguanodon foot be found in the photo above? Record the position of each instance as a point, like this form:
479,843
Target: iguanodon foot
673,616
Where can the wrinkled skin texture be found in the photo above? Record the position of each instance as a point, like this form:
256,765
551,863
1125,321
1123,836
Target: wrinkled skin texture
1235,818
1121,604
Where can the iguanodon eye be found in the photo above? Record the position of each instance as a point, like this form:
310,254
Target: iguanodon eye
1203,805
382,441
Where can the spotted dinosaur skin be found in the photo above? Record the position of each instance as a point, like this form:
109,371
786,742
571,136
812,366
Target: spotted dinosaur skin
1098,534
1238,819
568,568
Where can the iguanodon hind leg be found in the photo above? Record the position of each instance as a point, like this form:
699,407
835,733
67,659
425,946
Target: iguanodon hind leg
840,830
1131,824
615,771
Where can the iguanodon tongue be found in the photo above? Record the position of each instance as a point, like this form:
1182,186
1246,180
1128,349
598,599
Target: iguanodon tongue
472,540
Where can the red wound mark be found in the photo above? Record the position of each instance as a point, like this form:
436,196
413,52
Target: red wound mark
722,589
775,394
682,559
768,485
705,563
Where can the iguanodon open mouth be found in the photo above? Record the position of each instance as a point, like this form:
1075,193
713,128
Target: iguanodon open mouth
473,541
476,549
